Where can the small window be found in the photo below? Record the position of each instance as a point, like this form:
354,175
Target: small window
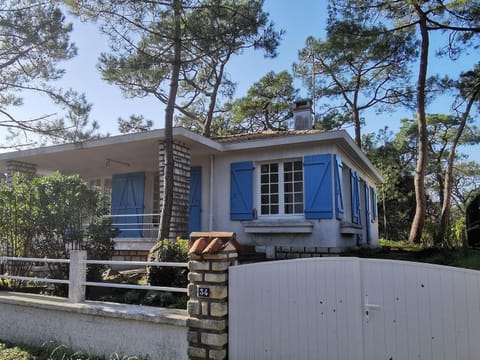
281,188
104,188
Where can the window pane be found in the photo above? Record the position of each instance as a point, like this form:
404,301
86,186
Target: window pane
264,210
287,166
288,187
297,165
288,198
274,199
273,167
264,169
288,177
298,187
274,178
298,176
265,179
288,209
274,209
298,198
299,208
264,199
274,188
264,189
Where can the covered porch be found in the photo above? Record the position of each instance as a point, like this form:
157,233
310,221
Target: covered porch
127,171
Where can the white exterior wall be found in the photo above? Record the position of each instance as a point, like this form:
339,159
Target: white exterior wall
325,232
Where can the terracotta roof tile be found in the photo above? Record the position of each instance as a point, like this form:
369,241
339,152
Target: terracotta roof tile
267,134
198,246
214,246
212,242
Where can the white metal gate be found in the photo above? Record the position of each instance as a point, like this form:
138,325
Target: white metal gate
353,309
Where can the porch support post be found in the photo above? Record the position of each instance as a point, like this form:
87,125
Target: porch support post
27,169
208,298
181,189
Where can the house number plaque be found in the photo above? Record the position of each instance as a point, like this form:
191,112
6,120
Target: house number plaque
203,292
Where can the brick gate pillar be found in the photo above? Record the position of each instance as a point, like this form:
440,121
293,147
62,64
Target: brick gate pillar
210,256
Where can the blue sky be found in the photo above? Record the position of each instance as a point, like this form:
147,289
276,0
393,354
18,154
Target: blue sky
299,19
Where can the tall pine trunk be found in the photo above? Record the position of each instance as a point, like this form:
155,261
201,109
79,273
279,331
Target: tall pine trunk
207,131
357,126
447,195
168,184
419,182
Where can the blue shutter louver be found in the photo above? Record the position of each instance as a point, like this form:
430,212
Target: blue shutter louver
367,211
374,203
318,186
241,191
355,196
339,210
128,199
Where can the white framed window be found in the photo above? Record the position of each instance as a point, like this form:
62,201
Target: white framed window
281,188
104,187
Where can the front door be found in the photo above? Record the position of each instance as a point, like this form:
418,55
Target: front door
127,202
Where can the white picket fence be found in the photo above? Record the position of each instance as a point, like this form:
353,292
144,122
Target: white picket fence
353,309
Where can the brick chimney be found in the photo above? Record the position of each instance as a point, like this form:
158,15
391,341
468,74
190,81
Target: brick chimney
303,115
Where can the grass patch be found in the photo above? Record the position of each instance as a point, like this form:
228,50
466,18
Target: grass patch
49,351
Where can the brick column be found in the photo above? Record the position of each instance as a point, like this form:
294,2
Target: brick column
27,169
181,189
210,258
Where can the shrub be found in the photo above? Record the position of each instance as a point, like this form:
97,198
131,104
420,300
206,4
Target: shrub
47,217
169,251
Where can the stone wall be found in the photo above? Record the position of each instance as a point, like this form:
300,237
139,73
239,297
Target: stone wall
181,191
208,301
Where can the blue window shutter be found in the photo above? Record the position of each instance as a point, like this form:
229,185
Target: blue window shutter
241,191
195,211
374,203
339,210
355,196
359,209
367,211
128,199
318,186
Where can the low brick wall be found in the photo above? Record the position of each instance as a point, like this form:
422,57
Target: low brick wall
130,255
297,252
96,328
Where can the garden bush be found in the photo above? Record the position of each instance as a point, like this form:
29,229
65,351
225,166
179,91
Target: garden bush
49,216
169,251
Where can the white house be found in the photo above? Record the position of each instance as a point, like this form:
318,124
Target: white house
302,191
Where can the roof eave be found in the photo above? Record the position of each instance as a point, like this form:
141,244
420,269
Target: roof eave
339,137
180,134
